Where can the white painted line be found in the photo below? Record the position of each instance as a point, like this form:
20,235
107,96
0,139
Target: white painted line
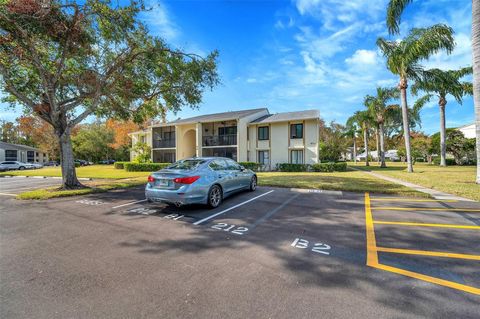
138,201
8,194
230,208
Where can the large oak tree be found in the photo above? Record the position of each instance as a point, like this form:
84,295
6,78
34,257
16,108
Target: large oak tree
67,60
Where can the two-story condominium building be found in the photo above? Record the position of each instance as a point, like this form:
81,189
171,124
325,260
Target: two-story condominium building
252,135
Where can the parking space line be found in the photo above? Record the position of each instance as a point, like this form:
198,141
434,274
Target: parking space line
6,194
230,208
427,208
272,212
389,199
381,222
372,258
427,253
432,280
131,203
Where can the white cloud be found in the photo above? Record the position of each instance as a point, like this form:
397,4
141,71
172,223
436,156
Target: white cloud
159,21
251,80
363,58
460,57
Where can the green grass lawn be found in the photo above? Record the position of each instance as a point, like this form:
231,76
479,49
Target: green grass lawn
354,181
94,171
109,178
458,180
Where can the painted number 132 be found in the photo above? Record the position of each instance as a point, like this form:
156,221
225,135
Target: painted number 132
320,248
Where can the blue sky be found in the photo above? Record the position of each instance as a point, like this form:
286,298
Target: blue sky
304,54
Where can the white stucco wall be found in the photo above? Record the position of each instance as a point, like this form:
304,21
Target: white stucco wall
242,141
468,131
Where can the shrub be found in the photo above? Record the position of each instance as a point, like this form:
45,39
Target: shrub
330,167
119,165
144,167
449,161
77,164
287,167
250,165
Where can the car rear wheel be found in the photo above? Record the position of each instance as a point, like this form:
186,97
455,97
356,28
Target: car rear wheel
215,196
21,168
253,183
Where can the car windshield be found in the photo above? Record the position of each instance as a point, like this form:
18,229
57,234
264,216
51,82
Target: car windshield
186,164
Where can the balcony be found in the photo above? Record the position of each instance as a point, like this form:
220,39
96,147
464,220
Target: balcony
220,140
166,143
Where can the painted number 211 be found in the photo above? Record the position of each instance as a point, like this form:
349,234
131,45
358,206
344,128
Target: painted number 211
320,248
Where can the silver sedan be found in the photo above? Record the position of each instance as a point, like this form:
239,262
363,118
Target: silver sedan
199,180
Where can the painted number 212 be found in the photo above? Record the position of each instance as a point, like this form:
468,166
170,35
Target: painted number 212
320,248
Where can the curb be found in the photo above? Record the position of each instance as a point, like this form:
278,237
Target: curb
51,177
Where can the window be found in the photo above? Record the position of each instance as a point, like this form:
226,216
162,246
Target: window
264,157
11,155
186,164
232,165
227,130
296,157
218,165
30,156
296,131
263,133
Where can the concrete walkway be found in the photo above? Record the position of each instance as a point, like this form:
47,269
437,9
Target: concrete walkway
434,193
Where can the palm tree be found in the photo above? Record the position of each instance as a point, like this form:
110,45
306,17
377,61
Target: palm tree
365,121
440,83
403,58
394,11
351,129
380,112
476,74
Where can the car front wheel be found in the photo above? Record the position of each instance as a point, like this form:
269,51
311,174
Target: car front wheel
21,168
253,183
215,196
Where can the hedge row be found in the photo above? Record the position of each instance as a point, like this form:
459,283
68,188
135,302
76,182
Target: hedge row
329,167
320,167
144,167
119,165
250,165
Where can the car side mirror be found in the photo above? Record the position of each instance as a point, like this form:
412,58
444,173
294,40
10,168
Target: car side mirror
242,168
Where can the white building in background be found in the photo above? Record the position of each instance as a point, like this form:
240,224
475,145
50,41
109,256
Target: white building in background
468,130
252,135
21,153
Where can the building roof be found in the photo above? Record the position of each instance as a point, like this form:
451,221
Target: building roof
289,116
232,115
4,145
466,126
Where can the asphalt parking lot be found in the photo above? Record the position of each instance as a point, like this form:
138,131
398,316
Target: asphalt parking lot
273,253
11,186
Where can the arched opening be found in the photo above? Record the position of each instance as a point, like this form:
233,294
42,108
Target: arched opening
189,144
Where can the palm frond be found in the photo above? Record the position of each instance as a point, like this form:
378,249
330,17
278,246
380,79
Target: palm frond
420,103
421,43
394,11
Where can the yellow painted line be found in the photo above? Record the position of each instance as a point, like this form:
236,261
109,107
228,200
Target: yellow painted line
372,256
433,280
427,253
426,225
427,208
387,199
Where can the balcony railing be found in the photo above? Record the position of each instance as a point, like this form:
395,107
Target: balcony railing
219,140
163,143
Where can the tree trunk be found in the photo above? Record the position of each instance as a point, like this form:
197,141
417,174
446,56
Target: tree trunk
476,74
365,141
377,140
69,175
406,127
443,132
355,149
382,145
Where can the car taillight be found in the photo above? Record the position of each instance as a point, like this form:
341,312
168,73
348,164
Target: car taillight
151,179
186,180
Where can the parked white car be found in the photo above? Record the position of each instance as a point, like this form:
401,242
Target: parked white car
12,165
36,165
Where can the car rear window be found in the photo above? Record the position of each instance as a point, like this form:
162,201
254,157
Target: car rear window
186,164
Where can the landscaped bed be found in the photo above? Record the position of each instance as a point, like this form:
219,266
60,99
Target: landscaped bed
458,180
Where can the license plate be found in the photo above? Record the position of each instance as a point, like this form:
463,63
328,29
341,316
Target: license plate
161,182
